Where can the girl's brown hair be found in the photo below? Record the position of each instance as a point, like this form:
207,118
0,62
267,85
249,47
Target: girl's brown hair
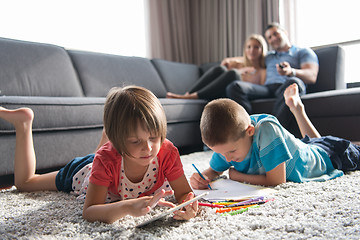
125,108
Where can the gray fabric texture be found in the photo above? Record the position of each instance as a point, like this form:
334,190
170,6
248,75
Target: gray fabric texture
206,66
53,148
35,69
99,72
182,110
177,77
57,113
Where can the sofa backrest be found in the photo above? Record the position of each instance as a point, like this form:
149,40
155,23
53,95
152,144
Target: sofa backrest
207,66
99,72
36,69
177,77
331,70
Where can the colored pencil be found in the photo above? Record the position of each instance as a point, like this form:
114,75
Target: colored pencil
202,176
210,205
251,202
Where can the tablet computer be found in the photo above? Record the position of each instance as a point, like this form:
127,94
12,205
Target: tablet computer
171,210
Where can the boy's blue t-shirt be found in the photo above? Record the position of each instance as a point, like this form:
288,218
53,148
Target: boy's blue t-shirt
273,145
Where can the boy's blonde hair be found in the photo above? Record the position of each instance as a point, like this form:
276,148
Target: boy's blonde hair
223,120
125,108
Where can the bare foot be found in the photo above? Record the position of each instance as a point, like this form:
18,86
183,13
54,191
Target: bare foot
182,96
18,116
292,98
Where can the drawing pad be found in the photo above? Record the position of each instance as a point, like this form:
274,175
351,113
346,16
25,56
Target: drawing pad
225,189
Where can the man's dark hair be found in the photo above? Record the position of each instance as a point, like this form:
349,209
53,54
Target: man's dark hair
274,24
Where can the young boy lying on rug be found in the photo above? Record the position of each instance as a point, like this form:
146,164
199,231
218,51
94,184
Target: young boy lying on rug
258,150
135,163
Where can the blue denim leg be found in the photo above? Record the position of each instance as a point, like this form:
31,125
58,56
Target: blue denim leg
344,155
65,175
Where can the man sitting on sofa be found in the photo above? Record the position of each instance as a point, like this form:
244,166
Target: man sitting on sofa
285,65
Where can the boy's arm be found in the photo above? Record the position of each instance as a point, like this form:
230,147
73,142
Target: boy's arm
197,182
272,178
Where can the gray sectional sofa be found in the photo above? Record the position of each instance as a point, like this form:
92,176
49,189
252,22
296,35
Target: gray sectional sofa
67,89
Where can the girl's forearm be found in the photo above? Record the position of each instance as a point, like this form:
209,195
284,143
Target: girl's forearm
107,213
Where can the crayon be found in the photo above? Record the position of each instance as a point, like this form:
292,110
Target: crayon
239,211
227,209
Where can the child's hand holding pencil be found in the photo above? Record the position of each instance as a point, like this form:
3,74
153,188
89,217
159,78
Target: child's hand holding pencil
198,180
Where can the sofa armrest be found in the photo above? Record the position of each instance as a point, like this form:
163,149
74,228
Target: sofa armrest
331,70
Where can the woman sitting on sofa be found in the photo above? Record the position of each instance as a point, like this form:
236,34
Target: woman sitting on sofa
249,68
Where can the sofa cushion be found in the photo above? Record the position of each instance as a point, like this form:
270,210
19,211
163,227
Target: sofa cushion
35,69
98,72
57,113
177,77
265,105
333,103
335,112
183,120
182,110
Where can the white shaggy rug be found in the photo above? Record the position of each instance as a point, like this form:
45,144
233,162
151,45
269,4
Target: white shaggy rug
324,210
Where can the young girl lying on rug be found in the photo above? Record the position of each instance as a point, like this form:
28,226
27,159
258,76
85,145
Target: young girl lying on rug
258,150
135,163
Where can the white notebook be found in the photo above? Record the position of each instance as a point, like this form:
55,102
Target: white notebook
226,189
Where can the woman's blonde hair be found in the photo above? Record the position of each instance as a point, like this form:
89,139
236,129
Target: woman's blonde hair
260,39
125,108
223,120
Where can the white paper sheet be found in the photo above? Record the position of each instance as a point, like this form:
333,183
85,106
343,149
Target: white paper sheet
226,189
